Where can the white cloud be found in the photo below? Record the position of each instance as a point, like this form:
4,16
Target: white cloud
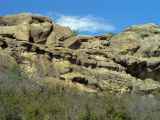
85,24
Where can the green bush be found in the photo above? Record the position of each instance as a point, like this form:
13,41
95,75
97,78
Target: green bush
15,73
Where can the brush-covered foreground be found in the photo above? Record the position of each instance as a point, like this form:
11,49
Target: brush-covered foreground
24,99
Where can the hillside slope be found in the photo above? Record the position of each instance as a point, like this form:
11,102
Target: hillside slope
124,62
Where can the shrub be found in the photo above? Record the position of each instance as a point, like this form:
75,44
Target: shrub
15,73
75,33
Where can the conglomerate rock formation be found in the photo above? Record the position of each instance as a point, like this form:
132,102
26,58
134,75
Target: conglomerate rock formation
124,62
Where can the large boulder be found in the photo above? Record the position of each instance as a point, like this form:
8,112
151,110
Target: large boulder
26,27
58,35
12,20
141,40
20,32
40,31
33,28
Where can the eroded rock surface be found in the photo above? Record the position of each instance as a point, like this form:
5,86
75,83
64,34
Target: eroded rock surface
125,62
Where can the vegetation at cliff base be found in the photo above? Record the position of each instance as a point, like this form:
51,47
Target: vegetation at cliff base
26,100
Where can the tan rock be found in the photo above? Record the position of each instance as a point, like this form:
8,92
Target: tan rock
58,34
40,32
20,32
124,62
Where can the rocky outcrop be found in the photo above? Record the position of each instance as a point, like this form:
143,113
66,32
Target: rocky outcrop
124,62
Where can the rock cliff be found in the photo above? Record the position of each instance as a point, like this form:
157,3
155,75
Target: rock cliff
124,62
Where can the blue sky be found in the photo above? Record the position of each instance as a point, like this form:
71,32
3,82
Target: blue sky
89,16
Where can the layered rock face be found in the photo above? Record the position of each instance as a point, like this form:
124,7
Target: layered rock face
124,62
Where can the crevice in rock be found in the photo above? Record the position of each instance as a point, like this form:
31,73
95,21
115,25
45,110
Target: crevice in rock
137,70
101,37
63,38
4,45
155,53
38,19
49,33
91,65
11,36
76,45
134,50
39,51
54,56
80,80
144,35
31,39
28,47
